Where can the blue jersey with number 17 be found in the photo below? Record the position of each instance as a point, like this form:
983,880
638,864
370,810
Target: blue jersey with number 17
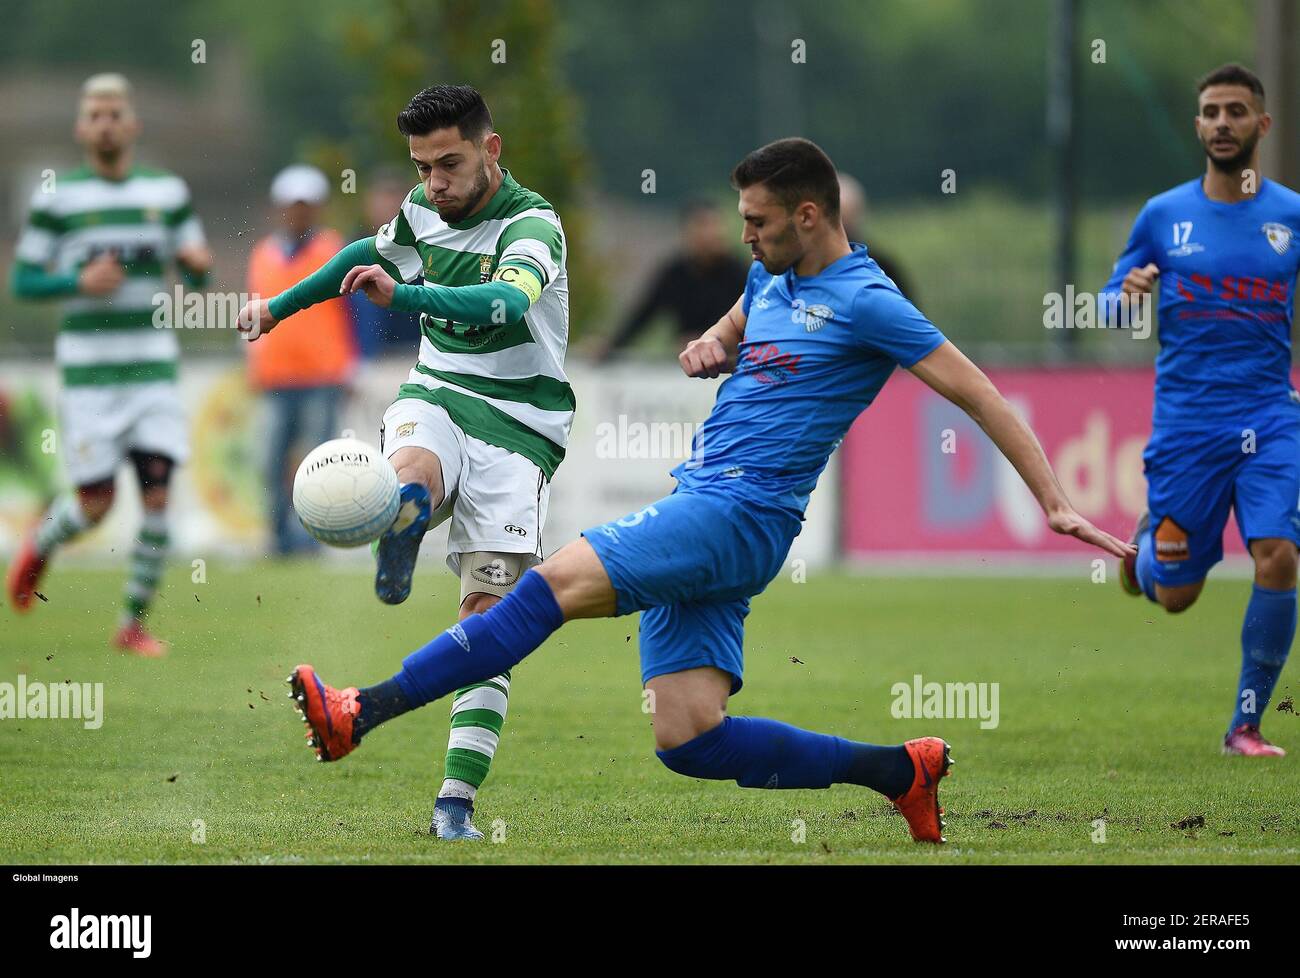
816,352
1227,277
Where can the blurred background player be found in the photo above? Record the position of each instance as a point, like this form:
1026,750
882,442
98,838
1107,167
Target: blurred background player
853,212
1226,428
303,370
379,331
695,286
479,428
100,239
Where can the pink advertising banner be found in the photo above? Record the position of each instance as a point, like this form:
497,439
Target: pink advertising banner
919,477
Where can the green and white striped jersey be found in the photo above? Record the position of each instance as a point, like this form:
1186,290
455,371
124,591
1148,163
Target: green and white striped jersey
143,218
501,383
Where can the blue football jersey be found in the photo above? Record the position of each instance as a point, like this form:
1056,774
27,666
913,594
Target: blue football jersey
816,352
1226,291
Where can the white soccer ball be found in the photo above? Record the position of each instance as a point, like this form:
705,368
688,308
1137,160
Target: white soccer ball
345,493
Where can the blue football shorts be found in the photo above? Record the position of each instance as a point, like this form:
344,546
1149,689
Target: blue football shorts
691,562
1195,476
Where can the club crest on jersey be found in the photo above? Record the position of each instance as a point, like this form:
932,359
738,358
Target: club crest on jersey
484,268
406,429
815,317
1279,237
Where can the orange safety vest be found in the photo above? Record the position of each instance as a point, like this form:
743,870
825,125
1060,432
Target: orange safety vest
311,348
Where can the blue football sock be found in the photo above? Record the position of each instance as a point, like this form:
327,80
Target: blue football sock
759,753
1146,565
1266,636
482,646
379,702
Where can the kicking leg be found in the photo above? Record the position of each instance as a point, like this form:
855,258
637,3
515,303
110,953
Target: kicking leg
419,472
694,737
1266,635
70,515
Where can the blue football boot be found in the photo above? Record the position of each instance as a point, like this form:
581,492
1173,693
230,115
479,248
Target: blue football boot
452,820
400,545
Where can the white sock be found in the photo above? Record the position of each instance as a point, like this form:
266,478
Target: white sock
62,522
451,788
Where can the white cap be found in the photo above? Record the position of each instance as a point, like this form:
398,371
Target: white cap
299,183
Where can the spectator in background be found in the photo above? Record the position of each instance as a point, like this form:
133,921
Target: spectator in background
304,367
853,213
695,287
381,331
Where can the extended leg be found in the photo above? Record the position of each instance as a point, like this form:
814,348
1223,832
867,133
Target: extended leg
570,584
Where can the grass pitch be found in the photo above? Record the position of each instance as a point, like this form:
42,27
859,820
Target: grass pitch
1108,708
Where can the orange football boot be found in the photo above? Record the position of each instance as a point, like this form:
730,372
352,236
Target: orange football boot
25,574
920,803
327,712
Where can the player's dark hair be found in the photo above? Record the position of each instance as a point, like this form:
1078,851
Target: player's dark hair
1232,74
794,170
443,106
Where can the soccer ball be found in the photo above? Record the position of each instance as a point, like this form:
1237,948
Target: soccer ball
345,493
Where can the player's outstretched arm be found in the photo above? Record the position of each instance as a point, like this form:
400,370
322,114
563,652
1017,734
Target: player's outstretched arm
948,371
715,351
260,316
497,303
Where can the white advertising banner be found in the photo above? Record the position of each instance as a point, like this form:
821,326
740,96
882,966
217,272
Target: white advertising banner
634,422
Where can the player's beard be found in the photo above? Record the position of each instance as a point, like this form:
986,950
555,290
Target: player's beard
782,253
107,154
472,199
1238,160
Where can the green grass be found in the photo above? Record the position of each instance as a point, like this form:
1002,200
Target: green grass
1106,705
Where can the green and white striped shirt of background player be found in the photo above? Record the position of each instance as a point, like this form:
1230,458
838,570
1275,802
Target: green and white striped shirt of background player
501,383
144,219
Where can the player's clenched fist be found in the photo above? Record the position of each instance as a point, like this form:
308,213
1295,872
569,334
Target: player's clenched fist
705,357
101,275
255,318
1140,281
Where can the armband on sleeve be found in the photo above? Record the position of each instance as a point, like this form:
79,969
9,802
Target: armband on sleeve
523,279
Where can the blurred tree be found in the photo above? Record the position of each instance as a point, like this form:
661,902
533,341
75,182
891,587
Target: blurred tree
510,52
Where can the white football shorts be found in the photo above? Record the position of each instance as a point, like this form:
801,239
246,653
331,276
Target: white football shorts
498,498
100,424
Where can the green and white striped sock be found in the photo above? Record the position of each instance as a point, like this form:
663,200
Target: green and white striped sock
477,715
63,521
147,559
